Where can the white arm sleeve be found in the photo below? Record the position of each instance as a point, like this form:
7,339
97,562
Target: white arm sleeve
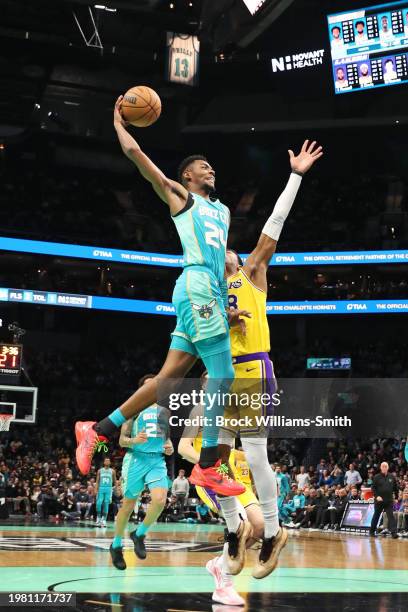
274,224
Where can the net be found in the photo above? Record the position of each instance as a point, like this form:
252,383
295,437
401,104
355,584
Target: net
5,420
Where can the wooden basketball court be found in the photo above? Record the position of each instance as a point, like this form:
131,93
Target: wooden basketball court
317,571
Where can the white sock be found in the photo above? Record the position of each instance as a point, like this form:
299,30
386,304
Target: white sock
223,566
265,481
230,511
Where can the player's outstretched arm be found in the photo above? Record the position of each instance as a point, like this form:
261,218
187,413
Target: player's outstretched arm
171,192
256,265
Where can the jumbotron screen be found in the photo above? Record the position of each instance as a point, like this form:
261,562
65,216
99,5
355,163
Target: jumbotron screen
329,363
369,47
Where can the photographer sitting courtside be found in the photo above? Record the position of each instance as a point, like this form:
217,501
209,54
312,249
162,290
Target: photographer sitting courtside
384,486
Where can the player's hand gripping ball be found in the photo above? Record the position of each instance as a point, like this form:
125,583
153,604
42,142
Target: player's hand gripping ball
141,106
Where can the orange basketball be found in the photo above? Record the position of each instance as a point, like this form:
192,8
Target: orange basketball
141,106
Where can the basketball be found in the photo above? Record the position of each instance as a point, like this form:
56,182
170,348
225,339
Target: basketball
141,106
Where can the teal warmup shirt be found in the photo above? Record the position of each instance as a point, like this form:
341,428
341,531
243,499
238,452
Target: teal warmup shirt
154,421
105,478
203,229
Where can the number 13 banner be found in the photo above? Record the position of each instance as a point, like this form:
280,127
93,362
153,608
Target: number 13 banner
183,57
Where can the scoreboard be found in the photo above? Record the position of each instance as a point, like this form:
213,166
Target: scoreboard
369,47
10,358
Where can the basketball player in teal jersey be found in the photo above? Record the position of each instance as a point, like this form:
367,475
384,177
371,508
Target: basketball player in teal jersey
146,438
105,481
201,301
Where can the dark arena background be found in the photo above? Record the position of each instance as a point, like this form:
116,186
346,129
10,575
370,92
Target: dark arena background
89,256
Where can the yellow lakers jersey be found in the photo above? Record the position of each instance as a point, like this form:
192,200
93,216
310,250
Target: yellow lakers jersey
243,294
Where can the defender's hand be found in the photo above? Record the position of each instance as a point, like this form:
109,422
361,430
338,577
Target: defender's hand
234,318
307,157
117,114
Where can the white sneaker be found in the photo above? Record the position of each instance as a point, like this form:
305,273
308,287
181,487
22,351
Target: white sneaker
228,597
224,590
103,523
98,523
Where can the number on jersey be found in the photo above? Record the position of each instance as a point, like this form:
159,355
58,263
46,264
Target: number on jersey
215,236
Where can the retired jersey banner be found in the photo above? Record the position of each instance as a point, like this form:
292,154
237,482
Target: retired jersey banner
183,53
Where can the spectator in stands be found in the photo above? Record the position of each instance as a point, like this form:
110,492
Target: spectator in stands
69,507
302,478
83,502
18,494
322,504
203,513
325,479
47,503
352,477
293,509
336,509
337,475
353,494
361,465
309,511
181,488
321,466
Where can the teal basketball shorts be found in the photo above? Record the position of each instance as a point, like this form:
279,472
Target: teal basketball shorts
144,469
200,313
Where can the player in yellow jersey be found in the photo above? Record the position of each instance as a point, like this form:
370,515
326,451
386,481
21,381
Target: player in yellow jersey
220,568
247,290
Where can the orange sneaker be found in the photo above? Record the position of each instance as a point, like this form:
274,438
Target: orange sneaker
88,443
217,478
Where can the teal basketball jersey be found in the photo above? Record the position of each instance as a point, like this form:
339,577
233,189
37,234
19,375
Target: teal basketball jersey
105,478
203,229
154,421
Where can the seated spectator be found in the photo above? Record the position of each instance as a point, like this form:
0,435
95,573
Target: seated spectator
203,513
309,511
293,509
322,504
47,503
83,502
34,498
69,507
353,494
336,509
18,495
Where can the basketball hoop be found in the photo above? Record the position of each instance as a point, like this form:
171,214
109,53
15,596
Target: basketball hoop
5,420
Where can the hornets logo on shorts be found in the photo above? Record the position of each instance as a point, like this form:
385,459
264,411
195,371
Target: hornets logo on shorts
206,310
